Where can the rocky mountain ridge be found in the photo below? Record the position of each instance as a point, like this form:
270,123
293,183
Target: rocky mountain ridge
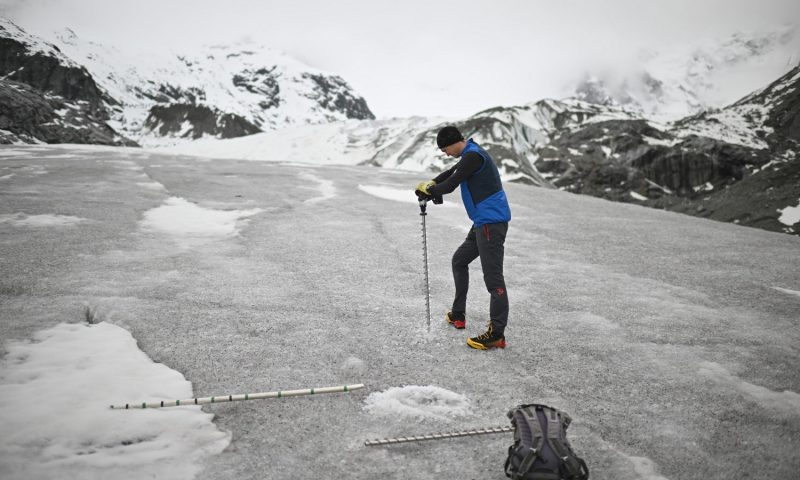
683,80
47,97
736,164
225,92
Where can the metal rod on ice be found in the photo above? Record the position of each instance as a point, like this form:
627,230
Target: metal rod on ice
240,397
437,436
424,214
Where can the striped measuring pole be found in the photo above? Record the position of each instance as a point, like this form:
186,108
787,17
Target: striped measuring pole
239,397
437,436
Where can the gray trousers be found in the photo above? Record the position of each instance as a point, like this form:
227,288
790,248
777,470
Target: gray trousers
485,242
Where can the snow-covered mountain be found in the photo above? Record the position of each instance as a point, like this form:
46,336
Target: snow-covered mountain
602,150
678,81
46,96
245,88
513,135
223,92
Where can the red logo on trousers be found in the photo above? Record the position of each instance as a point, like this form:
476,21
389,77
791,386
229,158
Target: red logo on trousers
501,291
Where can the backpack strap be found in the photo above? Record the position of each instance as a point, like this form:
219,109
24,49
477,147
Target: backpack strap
572,467
525,422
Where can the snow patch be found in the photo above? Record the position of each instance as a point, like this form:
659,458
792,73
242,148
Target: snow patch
422,402
707,187
325,187
660,187
44,220
790,215
786,290
390,193
7,152
55,394
152,186
656,141
785,401
395,194
190,224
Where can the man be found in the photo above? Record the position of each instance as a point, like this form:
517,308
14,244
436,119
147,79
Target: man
486,204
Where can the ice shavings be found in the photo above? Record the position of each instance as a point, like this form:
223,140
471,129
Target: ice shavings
55,394
190,224
645,468
790,215
421,402
38,221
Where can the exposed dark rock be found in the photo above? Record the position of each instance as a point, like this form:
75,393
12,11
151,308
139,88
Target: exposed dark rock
261,82
754,201
31,116
784,118
44,98
48,74
633,161
24,109
334,94
195,121
697,161
166,93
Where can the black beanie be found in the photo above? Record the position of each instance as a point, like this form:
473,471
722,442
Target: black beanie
448,136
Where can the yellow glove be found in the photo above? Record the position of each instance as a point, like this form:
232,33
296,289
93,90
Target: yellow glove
424,186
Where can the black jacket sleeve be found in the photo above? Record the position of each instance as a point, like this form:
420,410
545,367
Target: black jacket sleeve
448,180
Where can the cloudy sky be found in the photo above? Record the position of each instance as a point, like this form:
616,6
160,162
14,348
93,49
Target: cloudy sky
424,57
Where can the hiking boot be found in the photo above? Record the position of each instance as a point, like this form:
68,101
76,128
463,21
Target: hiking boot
459,323
487,340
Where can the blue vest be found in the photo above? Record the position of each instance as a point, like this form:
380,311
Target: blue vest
482,193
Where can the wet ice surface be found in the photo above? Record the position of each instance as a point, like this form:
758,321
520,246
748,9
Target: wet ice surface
670,340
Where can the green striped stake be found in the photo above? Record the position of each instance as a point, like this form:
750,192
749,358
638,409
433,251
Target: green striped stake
238,398
437,436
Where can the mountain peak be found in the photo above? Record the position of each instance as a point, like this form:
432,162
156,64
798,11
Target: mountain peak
672,83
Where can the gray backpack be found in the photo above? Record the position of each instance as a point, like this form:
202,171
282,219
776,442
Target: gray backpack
541,450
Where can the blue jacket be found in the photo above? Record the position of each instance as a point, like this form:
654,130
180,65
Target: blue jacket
482,193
